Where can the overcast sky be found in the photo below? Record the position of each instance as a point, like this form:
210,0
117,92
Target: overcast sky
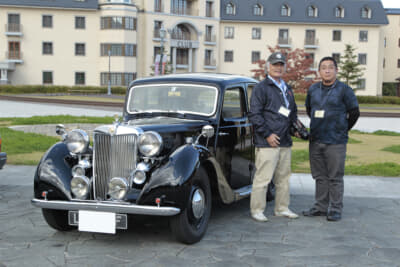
391,3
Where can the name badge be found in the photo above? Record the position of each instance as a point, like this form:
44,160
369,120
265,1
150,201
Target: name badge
284,111
319,114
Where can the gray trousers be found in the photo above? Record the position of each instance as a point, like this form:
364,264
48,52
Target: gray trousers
327,168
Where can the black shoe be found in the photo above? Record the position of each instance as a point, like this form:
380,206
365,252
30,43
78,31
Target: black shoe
313,212
334,216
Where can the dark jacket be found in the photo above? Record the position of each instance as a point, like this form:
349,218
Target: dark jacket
266,100
337,103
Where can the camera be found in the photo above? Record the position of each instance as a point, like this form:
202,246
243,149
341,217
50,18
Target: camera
298,126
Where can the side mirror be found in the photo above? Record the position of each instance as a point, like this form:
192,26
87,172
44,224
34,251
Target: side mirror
207,131
60,129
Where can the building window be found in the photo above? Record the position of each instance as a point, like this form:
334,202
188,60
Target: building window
157,27
255,56
257,10
312,57
361,84
399,42
285,11
229,32
208,58
256,33
363,36
366,13
127,23
79,49
339,12
182,56
337,35
283,36
158,6
398,63
181,32
47,48
209,35
230,9
13,24
79,78
228,56
362,59
124,50
209,9
14,50
336,57
180,7
47,21
80,23
117,78
384,62
310,37
312,11
47,77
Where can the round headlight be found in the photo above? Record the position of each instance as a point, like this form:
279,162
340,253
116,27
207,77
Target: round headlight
150,144
117,188
80,186
139,177
80,168
77,141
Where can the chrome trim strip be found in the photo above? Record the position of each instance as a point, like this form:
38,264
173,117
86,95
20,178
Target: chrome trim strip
106,206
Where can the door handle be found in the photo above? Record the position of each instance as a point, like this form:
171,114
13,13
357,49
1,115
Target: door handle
223,133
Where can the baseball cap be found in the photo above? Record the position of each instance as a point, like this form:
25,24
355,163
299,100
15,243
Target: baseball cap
277,57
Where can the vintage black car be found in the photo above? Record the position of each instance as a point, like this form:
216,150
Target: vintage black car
3,157
184,140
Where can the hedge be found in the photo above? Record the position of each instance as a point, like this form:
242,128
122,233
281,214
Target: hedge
394,100
53,89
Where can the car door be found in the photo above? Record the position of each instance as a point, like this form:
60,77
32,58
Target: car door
234,147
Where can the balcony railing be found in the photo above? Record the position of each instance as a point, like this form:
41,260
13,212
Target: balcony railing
185,11
212,38
159,8
311,43
209,13
13,29
210,62
14,55
284,42
156,34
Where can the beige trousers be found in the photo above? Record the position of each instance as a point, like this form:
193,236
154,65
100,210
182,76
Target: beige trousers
271,163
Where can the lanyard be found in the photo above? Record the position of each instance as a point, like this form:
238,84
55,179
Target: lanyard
283,89
325,98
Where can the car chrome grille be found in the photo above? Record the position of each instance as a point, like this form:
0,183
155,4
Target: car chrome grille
114,156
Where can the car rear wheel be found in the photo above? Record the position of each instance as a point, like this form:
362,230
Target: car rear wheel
191,224
57,219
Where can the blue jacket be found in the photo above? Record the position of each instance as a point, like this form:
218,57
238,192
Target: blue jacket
336,103
266,100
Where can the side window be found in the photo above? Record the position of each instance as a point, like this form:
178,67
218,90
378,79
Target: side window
233,106
249,92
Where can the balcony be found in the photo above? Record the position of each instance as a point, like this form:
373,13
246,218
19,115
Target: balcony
14,56
210,13
311,43
13,29
210,39
210,63
185,11
284,42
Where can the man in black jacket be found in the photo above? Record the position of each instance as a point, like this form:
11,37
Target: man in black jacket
333,109
272,112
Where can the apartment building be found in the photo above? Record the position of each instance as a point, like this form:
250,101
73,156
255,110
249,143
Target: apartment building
93,42
391,61
322,28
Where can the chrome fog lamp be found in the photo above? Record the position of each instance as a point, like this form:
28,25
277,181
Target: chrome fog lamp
80,168
80,186
117,188
139,176
150,144
77,141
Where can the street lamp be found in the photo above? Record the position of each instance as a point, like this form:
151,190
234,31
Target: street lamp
109,73
163,33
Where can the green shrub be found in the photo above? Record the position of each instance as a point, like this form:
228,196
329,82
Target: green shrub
389,89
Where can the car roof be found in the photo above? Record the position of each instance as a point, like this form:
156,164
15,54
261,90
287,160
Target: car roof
216,78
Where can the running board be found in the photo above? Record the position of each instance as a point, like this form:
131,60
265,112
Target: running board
243,192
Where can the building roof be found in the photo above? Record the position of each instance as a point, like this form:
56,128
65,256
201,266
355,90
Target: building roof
392,11
298,11
74,4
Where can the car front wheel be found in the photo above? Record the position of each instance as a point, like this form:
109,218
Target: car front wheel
191,224
57,219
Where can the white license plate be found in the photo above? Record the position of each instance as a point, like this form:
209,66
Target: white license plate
96,221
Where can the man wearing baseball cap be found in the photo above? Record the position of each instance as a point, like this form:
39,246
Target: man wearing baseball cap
272,112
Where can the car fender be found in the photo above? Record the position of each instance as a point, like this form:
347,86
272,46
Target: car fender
54,173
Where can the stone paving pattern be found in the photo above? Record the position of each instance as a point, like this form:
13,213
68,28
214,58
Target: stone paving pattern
368,235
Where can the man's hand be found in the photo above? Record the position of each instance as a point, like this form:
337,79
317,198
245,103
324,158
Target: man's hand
273,140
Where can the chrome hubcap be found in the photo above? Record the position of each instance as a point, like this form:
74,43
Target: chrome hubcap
198,203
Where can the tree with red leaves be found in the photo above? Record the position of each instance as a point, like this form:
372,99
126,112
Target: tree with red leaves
298,73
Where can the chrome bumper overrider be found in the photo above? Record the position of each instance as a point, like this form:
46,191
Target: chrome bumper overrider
106,206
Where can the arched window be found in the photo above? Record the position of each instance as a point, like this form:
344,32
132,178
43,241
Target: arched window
257,10
366,13
339,12
312,11
181,32
230,9
285,10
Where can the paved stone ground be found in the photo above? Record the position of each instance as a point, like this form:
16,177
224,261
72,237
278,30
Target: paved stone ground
368,235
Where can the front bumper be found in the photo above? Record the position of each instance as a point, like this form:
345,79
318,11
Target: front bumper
106,206
3,159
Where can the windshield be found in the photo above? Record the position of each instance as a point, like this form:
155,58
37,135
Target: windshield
181,98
